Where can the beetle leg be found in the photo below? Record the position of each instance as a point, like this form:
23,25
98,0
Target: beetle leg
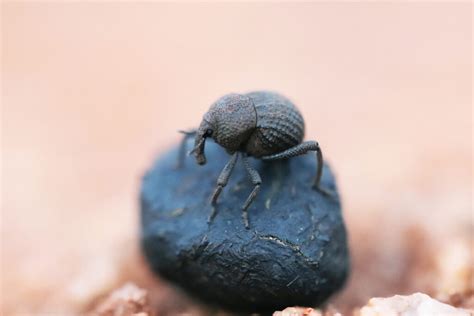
224,177
182,147
256,180
302,149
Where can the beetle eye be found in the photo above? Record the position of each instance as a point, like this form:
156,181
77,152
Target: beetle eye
208,132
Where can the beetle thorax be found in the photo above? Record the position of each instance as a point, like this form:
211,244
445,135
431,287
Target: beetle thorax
233,119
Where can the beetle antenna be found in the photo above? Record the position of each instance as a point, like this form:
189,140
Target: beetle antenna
196,148
186,132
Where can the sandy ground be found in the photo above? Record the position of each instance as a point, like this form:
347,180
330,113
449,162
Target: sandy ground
91,92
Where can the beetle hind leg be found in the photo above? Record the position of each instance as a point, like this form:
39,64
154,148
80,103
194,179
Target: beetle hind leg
302,149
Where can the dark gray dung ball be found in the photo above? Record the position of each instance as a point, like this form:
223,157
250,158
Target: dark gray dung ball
295,252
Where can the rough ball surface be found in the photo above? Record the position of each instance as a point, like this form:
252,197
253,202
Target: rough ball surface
295,252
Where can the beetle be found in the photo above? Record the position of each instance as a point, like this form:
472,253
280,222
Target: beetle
261,124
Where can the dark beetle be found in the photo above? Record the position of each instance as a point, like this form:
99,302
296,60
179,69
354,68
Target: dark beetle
261,124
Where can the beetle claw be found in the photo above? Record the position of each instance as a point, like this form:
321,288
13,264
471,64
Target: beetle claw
326,192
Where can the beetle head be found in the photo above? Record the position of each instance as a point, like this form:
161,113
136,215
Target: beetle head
229,121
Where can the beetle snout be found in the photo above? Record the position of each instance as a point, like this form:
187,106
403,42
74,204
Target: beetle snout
204,131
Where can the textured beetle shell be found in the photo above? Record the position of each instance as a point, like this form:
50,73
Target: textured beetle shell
280,125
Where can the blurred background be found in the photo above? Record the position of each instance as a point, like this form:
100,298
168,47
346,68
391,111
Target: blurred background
91,92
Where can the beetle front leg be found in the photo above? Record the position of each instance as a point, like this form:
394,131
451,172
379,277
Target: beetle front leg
224,177
182,147
256,181
302,149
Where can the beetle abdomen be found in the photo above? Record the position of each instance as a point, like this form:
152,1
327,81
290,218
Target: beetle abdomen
279,124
